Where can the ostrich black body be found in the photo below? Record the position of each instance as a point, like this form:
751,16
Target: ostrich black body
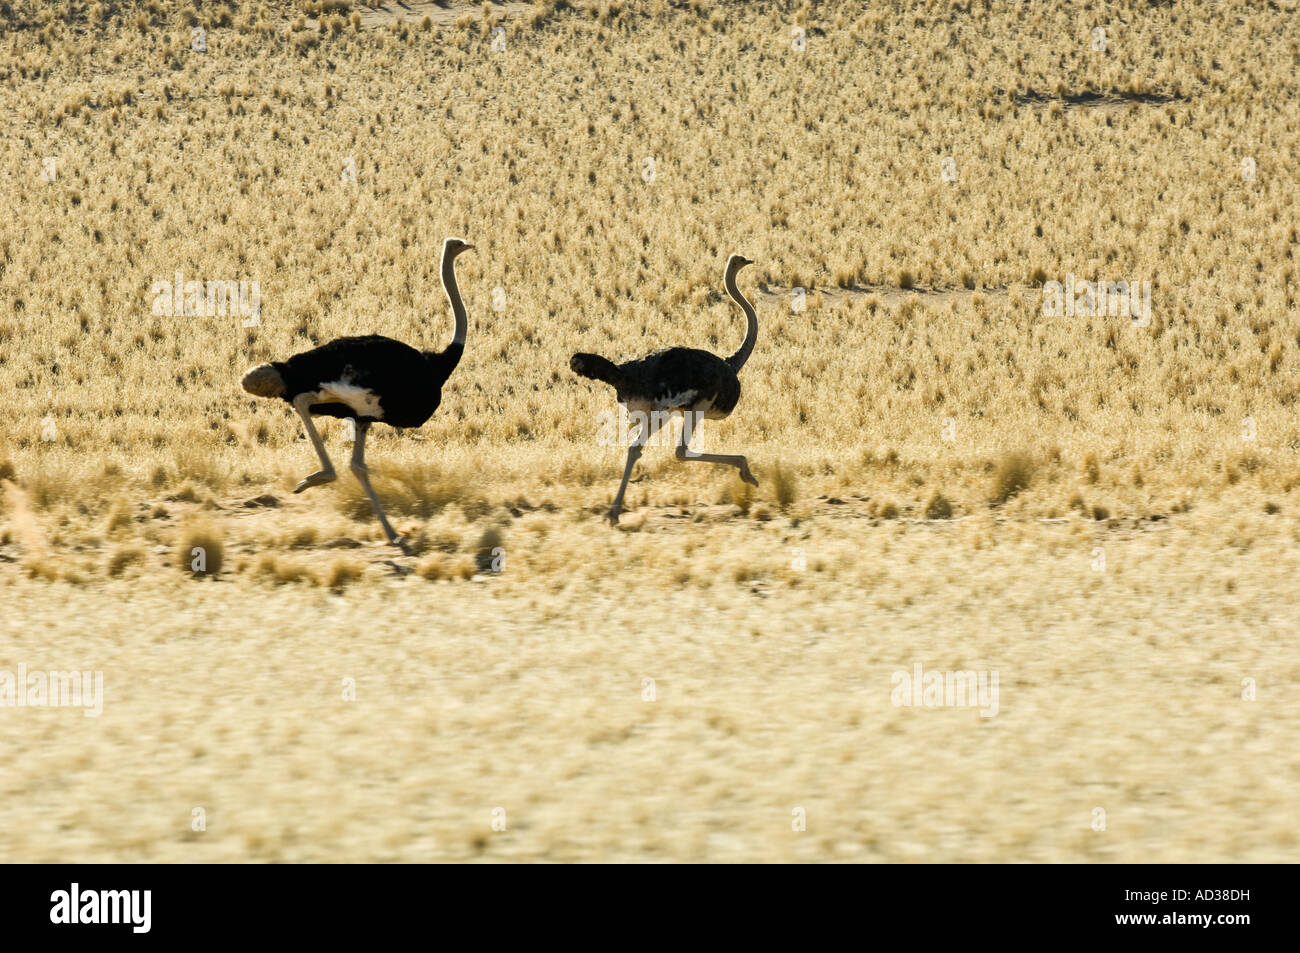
676,378
406,383
698,383
371,379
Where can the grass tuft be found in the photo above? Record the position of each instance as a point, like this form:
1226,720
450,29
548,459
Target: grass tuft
491,546
938,508
124,557
784,484
343,572
200,553
740,494
1015,472
416,491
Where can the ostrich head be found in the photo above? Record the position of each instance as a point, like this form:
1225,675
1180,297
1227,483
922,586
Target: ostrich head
454,246
596,367
737,262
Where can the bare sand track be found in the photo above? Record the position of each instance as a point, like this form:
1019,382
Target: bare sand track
615,721
442,13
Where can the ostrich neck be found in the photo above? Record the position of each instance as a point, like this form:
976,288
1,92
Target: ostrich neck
751,330
453,297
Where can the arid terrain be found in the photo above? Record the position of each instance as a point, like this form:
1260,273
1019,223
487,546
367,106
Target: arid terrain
1095,510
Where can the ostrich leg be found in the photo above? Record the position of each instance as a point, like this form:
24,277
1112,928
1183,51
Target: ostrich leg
633,454
684,452
646,428
326,473
362,473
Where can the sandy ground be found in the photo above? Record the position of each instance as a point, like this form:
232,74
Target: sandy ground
525,702
443,13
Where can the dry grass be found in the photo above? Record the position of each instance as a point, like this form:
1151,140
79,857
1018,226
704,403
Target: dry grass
415,490
489,553
1015,471
123,557
201,552
785,485
741,494
938,508
886,370
343,572
940,459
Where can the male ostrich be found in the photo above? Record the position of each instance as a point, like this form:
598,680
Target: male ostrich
698,383
371,379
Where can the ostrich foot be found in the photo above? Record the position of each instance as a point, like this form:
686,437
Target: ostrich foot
316,479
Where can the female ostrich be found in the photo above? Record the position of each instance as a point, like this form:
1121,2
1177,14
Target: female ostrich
699,384
371,379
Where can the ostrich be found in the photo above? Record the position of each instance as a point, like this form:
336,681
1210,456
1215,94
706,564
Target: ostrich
699,384
370,379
